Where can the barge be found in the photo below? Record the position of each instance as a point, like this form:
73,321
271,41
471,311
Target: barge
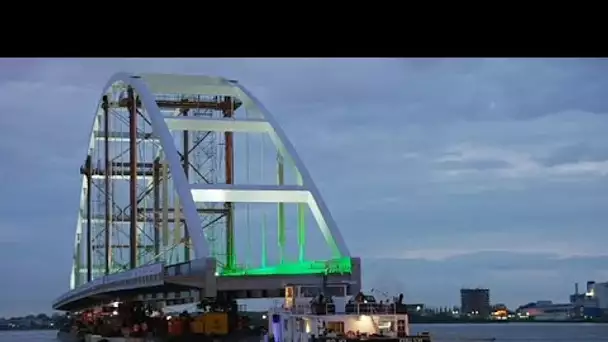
308,313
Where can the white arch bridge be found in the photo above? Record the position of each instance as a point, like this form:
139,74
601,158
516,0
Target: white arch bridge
183,180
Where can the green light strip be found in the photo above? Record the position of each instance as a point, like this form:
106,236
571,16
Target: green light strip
336,266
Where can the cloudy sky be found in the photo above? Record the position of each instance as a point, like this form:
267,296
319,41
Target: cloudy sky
441,173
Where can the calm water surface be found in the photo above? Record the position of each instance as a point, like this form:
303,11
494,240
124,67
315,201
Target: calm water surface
553,332
516,332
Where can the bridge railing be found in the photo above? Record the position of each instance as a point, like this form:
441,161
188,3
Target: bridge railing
146,275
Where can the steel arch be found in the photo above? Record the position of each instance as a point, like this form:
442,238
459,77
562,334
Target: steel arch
147,85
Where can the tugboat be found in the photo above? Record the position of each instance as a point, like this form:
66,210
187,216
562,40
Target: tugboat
321,317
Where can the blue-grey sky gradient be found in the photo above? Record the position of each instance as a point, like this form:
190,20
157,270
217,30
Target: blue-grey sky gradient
441,173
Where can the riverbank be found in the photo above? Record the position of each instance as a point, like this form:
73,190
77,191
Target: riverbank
19,328
443,320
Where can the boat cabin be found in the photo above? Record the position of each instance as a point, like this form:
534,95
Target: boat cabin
314,313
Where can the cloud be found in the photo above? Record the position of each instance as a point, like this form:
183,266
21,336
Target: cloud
426,159
587,151
563,147
473,161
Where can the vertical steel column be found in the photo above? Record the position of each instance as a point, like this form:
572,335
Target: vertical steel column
264,252
264,249
107,170
281,210
177,224
301,224
89,175
157,218
132,106
186,148
165,194
228,112
77,261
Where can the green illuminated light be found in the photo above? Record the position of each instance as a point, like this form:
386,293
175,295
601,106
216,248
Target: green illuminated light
335,266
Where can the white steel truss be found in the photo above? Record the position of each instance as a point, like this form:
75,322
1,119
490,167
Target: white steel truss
147,86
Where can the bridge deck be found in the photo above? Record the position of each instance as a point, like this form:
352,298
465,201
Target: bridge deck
158,282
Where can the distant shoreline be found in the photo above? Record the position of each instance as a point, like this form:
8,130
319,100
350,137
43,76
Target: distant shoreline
27,329
432,321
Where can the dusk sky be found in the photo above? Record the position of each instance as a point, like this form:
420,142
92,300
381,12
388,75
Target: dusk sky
441,173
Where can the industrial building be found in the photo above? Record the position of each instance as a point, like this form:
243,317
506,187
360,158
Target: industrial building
475,302
599,293
593,302
546,310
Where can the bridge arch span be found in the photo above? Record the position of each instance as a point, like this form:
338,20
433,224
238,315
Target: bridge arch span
147,88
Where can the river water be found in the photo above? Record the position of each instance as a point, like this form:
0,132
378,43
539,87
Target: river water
506,332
